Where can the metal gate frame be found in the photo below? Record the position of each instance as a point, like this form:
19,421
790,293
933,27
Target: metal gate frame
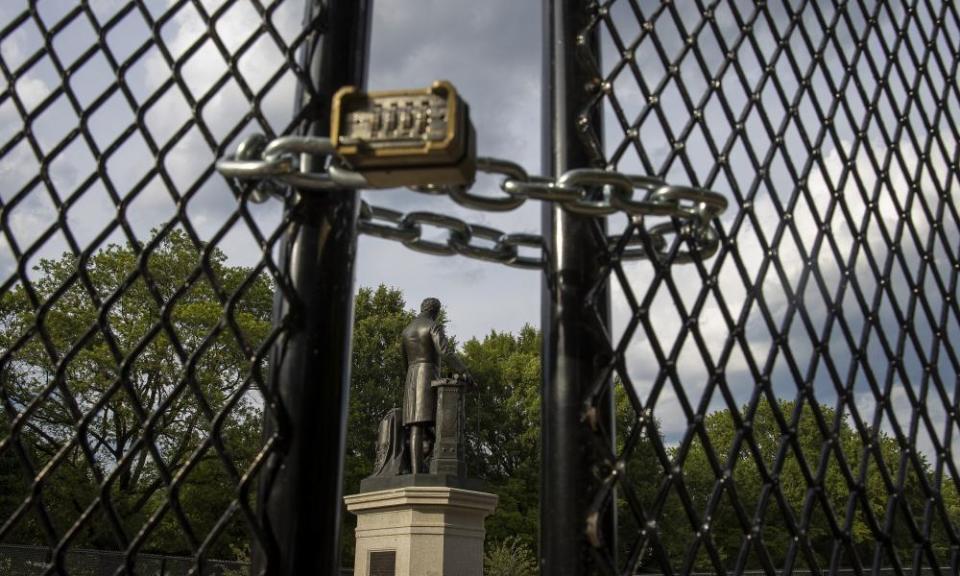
300,501
574,303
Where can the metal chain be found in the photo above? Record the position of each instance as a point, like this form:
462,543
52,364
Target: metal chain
590,192
408,230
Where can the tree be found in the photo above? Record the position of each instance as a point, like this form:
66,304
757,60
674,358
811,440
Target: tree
155,361
133,364
12,487
702,480
642,477
504,428
378,374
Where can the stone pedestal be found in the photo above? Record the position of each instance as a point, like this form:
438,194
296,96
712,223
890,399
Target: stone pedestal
420,531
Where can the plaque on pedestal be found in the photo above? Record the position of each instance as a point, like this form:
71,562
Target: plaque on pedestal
421,530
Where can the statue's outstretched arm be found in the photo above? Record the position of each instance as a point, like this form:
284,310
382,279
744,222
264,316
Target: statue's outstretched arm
447,351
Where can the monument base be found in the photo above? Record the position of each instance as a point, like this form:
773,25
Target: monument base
377,483
420,531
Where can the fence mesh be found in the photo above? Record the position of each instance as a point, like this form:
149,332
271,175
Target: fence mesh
791,403
132,352
34,561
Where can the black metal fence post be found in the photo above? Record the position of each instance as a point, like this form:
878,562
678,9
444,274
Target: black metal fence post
571,303
300,494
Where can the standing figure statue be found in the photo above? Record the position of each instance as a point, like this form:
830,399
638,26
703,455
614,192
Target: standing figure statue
424,348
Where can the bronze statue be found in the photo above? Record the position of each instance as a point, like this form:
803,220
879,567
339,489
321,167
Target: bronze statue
424,348
430,428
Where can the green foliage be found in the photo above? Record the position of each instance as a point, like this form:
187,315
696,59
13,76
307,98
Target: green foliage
189,366
241,553
378,373
503,428
12,483
135,363
509,557
703,481
642,472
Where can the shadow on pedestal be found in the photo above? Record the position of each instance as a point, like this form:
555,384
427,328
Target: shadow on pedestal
375,483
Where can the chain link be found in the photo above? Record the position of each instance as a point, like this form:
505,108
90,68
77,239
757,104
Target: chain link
281,163
461,239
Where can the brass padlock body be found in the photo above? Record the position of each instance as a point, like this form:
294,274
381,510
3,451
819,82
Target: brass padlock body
405,137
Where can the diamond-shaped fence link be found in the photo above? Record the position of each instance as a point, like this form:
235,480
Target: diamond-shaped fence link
133,354
790,404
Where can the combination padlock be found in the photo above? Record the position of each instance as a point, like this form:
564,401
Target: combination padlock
405,137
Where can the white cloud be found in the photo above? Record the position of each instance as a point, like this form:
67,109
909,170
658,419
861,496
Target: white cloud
710,323
491,51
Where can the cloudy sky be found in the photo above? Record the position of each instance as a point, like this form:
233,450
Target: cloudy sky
491,51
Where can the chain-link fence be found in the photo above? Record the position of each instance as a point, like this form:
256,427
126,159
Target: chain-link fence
17,560
34,560
137,285
791,402
771,388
